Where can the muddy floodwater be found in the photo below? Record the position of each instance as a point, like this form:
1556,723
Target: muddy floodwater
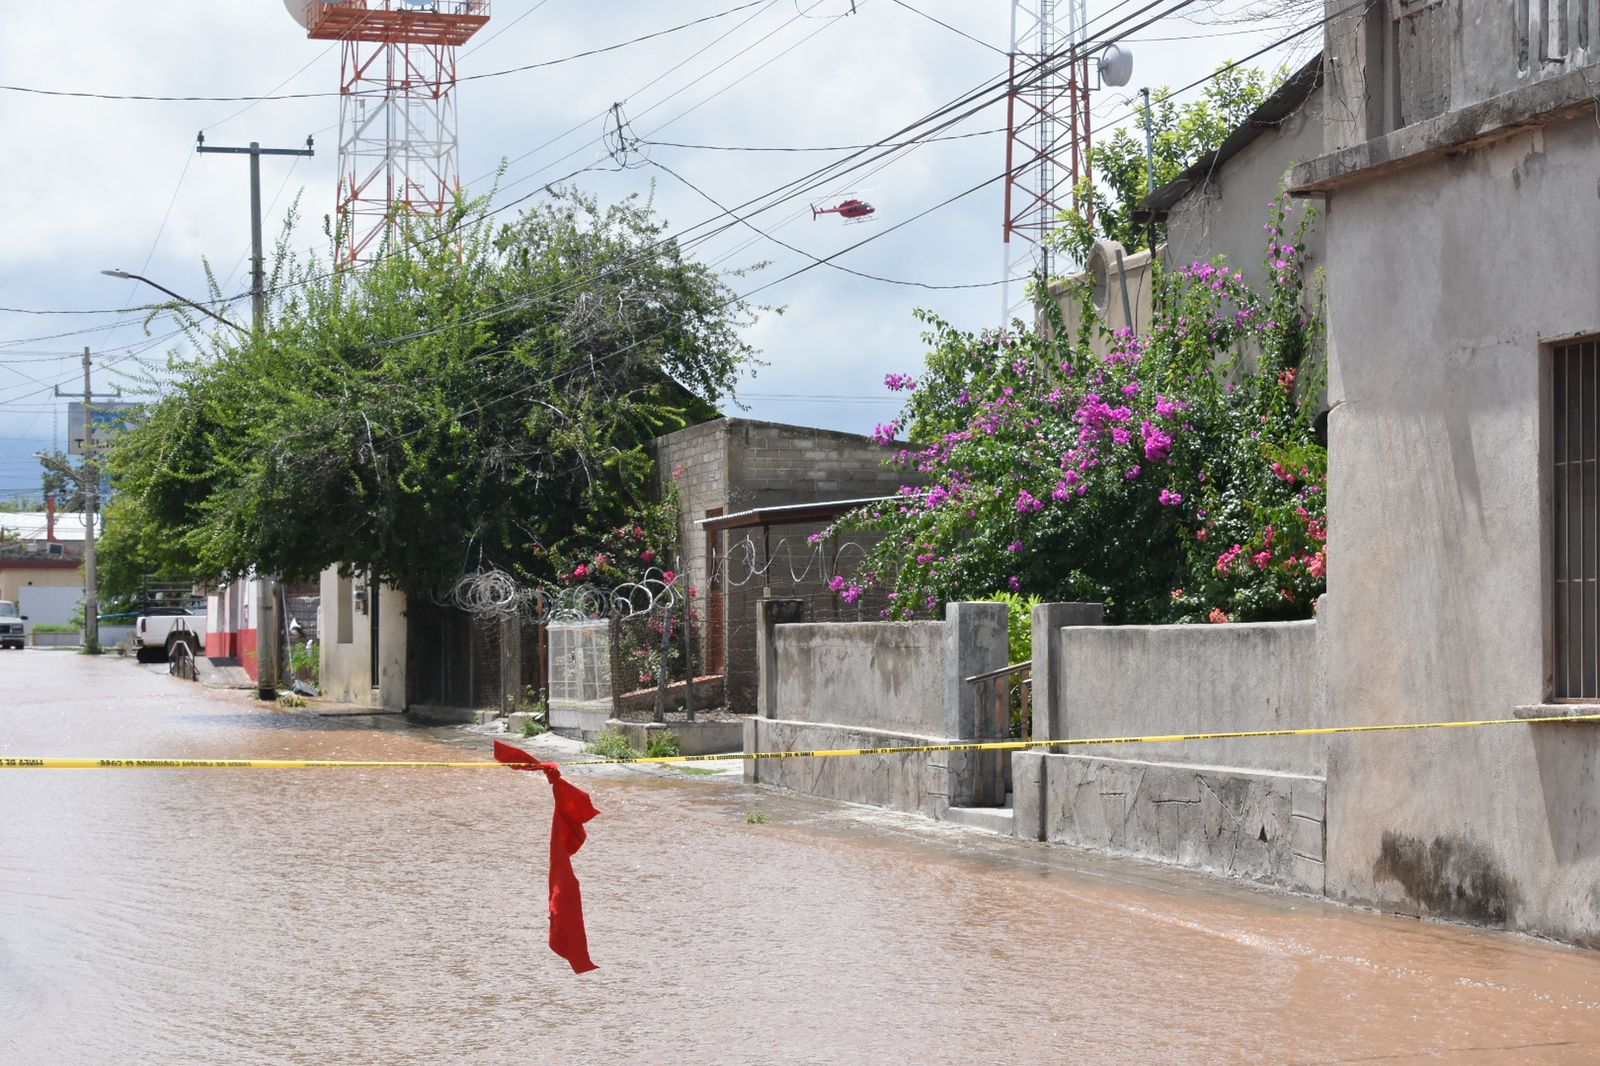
397,916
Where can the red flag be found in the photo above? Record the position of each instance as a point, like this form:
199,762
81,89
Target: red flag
573,808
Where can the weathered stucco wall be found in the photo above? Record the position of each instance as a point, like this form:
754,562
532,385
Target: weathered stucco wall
1157,680
1446,281
346,665
1227,214
876,675
878,684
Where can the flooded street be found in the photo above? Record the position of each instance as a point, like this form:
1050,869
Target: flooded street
315,916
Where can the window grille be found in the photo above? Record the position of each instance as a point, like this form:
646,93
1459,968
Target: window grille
1575,422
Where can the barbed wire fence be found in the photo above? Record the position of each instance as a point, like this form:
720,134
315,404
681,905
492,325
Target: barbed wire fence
641,644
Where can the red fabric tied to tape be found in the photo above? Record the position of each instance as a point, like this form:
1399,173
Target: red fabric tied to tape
573,808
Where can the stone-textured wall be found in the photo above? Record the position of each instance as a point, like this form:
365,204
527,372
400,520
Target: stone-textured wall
1266,828
1157,680
878,675
1447,282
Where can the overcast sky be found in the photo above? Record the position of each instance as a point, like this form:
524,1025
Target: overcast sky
95,184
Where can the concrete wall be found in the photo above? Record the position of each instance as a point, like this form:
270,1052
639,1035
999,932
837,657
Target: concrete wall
1159,680
1447,281
880,675
1450,56
851,686
346,666
1226,214
47,605
18,574
1104,280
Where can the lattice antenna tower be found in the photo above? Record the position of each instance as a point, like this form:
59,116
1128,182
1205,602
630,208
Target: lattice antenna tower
1048,131
397,112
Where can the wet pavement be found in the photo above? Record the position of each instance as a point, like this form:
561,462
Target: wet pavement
372,915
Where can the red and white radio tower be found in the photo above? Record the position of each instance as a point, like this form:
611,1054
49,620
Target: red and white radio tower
397,115
1048,129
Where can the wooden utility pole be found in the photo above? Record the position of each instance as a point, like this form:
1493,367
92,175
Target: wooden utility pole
88,478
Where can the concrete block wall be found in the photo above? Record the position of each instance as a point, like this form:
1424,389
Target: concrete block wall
871,685
1156,680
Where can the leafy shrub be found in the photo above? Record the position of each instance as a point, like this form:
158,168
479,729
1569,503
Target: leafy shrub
662,744
611,745
532,727
1177,478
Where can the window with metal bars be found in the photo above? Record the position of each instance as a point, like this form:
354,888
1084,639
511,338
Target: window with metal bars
1575,525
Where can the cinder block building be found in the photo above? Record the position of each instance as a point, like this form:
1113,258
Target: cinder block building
751,494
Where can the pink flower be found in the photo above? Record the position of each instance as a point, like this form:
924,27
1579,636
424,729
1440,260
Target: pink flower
1170,498
1217,616
1225,560
1317,565
1026,502
837,584
1014,546
1201,534
851,594
677,471
1157,444
1177,594
1131,473
580,571
648,554
669,577
1016,585
1261,559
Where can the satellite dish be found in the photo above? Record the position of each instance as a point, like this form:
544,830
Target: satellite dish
300,11
1116,65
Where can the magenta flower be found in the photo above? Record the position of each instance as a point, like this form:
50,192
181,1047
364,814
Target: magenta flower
1170,498
1014,546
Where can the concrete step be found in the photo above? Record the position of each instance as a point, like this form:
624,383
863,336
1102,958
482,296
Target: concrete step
991,819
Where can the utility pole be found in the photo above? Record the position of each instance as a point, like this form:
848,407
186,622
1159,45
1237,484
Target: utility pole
1149,170
87,476
268,645
258,271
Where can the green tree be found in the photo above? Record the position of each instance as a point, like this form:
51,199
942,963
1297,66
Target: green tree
1183,133
483,394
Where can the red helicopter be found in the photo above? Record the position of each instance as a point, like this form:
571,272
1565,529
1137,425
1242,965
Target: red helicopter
850,209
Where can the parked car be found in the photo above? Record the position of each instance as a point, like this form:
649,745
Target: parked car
12,631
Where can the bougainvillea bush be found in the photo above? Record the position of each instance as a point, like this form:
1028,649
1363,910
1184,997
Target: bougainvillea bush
1176,479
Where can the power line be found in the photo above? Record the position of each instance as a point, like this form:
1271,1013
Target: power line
269,97
952,29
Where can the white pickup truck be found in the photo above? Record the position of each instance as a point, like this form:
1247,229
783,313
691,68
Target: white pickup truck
12,632
157,634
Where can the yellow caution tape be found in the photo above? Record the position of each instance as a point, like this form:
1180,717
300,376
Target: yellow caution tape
827,753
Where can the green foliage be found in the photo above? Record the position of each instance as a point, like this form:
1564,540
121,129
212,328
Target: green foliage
533,727
56,627
1178,478
663,743
1019,624
611,745
482,395
67,491
755,818
1183,133
292,701
305,662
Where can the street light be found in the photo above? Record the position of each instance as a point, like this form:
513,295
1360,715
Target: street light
181,299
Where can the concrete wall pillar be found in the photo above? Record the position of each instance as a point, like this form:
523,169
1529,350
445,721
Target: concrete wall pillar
1049,714
769,615
974,643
